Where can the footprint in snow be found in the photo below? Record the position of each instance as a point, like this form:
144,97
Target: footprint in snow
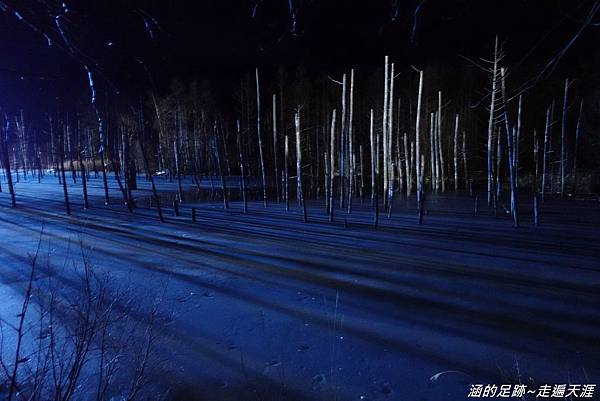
318,381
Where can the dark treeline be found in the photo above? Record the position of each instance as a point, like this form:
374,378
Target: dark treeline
340,137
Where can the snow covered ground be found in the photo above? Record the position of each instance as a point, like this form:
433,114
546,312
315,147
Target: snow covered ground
265,307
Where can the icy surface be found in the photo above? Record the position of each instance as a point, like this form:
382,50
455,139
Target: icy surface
266,307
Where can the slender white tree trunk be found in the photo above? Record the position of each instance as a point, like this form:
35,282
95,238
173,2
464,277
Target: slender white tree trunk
350,143
418,134
275,146
440,143
464,155
432,149
386,92
332,167
491,123
300,194
343,143
286,175
563,151
545,155
407,163
260,144
456,155
575,150
390,132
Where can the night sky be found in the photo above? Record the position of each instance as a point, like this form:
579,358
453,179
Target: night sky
218,41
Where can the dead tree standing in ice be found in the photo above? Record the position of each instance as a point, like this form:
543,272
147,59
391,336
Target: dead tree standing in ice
388,144
286,175
545,154
343,143
536,203
495,87
421,185
299,166
242,170
102,137
362,173
176,140
386,94
332,167
464,156
373,158
408,166
456,155
350,143
260,144
563,149
62,170
432,151
417,136
217,153
275,147
80,158
440,143
576,148
6,162
511,155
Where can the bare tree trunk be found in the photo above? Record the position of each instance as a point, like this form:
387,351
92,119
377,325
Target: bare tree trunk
286,178
511,157
362,174
436,154
350,144
7,170
332,167
104,174
275,147
456,155
490,154
563,150
517,141
421,205
299,165
432,150
260,144
242,170
86,204
298,160
62,174
326,180
147,166
343,144
418,135
177,168
407,163
545,155
536,213
441,143
220,167
464,155
575,150
386,94
390,133
498,192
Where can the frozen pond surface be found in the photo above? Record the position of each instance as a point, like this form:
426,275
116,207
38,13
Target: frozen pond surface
265,307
